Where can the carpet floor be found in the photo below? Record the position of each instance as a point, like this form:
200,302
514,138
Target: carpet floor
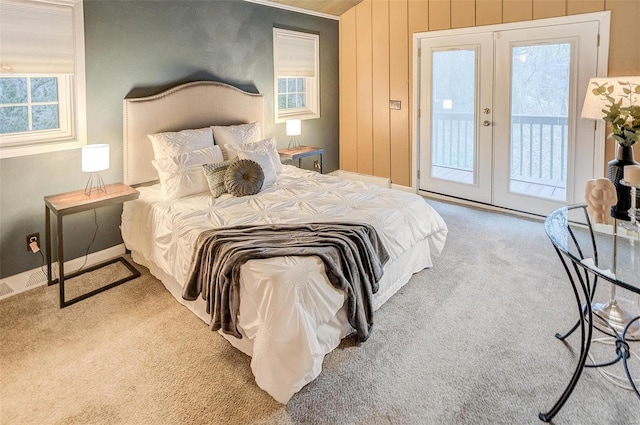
470,341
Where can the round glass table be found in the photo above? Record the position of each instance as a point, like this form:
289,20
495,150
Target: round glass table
589,257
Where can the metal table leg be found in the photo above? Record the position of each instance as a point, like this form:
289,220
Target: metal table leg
585,337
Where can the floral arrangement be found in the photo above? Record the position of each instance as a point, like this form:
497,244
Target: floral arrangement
623,114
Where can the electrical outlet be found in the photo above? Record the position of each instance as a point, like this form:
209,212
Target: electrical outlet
33,242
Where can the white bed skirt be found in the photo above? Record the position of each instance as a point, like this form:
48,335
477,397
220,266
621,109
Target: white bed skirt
282,369
290,315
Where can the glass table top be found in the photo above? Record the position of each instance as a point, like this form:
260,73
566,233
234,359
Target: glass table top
615,258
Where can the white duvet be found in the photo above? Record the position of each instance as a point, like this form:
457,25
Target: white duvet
290,315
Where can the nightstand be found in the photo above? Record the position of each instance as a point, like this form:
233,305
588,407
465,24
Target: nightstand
74,202
301,152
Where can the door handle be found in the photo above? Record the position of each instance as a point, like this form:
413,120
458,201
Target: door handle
486,123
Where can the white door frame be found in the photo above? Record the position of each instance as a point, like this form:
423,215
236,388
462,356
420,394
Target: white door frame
603,19
482,45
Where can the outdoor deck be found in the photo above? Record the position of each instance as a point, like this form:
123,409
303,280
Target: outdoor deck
527,188
538,153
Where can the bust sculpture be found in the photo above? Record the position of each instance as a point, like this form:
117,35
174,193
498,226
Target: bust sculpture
600,195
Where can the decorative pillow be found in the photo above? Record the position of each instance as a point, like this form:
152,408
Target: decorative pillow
214,173
175,143
264,159
244,177
235,134
267,144
182,175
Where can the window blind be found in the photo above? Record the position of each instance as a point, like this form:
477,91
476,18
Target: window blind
295,54
36,37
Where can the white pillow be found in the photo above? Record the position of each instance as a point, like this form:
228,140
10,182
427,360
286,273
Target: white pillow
175,143
263,158
182,175
268,145
236,134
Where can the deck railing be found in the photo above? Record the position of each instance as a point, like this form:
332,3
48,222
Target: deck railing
539,146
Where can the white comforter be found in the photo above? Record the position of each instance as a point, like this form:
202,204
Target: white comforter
290,315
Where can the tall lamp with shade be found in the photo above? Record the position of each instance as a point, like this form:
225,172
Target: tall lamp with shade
616,100
95,158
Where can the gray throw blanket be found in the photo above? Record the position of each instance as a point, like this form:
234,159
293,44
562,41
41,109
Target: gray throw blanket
352,253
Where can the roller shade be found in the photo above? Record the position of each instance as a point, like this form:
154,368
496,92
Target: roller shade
295,53
36,37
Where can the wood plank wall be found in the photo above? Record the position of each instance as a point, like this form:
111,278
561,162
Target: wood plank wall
376,65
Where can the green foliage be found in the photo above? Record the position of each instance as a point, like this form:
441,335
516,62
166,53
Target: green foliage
624,120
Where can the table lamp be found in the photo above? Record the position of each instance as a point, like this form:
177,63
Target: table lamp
602,94
613,99
294,129
95,158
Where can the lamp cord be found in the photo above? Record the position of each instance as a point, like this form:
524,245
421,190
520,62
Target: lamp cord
86,253
616,380
95,233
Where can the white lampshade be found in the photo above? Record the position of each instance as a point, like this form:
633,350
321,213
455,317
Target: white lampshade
95,158
294,127
594,104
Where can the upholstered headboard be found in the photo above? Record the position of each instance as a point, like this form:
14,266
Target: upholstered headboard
187,106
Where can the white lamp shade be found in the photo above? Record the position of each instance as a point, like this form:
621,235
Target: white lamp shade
594,104
294,127
95,158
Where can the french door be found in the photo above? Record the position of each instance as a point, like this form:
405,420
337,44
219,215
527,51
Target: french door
456,101
499,115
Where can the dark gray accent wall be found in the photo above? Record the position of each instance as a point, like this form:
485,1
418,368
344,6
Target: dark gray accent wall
135,45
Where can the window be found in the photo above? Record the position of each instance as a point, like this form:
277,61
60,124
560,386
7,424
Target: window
297,82
42,99
291,93
30,104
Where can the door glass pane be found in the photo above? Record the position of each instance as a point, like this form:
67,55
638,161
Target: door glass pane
452,115
539,120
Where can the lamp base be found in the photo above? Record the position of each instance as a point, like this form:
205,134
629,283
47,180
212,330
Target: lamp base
615,173
611,315
294,144
97,185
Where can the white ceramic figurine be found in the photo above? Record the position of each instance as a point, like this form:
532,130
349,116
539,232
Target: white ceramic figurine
600,195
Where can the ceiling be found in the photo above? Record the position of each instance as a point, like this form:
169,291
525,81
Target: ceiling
330,7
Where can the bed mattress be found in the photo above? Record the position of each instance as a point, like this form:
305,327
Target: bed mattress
290,315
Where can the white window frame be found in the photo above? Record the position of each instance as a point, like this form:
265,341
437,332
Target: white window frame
72,133
312,84
65,116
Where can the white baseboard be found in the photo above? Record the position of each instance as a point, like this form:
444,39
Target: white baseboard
34,278
403,188
488,207
378,181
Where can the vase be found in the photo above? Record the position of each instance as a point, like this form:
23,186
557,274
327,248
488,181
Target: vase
615,173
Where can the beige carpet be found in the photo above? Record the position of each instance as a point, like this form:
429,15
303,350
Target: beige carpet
468,342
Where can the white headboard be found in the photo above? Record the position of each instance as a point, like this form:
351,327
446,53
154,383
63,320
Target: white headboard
190,105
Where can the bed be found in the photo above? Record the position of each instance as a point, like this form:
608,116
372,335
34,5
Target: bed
290,316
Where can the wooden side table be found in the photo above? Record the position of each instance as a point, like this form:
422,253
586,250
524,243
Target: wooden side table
301,152
74,202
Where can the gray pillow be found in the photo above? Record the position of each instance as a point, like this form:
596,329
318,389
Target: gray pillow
215,176
244,177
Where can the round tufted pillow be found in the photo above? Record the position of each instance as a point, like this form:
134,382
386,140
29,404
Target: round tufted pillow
244,177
